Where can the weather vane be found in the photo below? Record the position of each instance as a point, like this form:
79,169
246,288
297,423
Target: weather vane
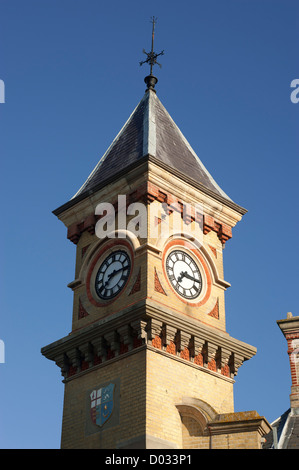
152,56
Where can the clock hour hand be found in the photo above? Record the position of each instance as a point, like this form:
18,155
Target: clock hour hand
185,274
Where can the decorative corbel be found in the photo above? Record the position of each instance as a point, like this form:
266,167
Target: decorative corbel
153,328
62,362
196,346
100,348
183,340
140,327
112,339
87,353
169,334
74,357
126,336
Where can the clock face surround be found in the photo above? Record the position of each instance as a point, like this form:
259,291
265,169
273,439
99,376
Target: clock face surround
184,274
112,274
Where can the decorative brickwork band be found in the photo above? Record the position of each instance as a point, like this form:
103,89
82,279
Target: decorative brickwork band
214,251
215,311
82,312
224,232
75,230
158,286
137,285
146,194
84,249
293,352
290,330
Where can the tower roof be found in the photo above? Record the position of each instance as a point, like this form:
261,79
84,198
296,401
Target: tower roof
150,131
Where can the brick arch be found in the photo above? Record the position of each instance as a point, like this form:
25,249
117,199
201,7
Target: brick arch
195,415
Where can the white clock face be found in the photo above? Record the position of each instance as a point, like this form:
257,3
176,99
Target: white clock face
112,274
184,274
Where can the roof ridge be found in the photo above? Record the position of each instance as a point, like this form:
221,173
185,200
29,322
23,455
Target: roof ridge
149,126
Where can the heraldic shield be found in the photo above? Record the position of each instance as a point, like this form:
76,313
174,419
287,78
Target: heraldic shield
101,404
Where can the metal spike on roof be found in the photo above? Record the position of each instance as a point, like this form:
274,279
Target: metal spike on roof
151,59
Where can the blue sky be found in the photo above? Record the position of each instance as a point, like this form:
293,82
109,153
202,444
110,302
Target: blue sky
72,78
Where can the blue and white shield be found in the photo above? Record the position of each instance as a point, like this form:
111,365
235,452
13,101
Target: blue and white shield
101,404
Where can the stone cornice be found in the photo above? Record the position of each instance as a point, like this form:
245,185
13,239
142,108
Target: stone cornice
240,422
289,325
199,329
146,324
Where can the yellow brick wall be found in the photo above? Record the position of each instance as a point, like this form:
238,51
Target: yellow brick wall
242,440
131,373
153,387
168,381
192,435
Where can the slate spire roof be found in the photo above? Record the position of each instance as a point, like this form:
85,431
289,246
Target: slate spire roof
149,133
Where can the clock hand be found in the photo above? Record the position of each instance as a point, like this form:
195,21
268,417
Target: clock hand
116,271
191,277
185,274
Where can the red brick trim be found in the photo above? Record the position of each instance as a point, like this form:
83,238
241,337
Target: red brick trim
82,312
157,342
84,249
225,370
185,354
212,365
158,286
147,193
198,360
137,285
215,311
170,348
214,251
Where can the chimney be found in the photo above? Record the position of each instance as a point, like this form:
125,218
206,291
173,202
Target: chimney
290,330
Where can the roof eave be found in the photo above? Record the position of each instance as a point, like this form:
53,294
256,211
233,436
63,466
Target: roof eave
149,158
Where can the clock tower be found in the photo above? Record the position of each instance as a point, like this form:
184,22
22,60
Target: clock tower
148,363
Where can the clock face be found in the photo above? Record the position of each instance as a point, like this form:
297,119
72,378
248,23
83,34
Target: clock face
112,274
184,274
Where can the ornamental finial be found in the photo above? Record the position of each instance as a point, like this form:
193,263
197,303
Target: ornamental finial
151,59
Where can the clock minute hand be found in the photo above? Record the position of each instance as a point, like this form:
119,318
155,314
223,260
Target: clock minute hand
185,274
191,277
116,271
